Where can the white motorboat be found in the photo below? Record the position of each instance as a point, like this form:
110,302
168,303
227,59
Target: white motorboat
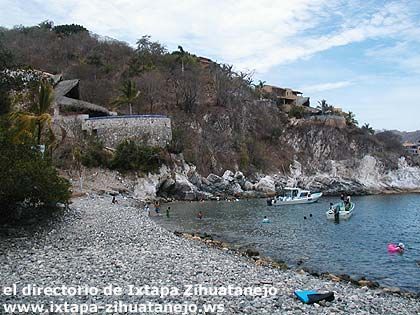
341,210
292,196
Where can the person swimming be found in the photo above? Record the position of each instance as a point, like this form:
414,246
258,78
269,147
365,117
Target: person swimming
265,220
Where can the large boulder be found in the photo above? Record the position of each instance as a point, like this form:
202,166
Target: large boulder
213,178
239,175
216,184
229,176
248,185
146,187
266,185
234,189
183,188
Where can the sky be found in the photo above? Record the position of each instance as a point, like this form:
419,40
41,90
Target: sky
362,56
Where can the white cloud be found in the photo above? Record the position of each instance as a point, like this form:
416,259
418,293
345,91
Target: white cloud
249,34
326,86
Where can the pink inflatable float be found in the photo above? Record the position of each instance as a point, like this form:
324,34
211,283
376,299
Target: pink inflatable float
394,248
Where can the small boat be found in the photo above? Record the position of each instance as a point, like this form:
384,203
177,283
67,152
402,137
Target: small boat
292,196
394,248
343,211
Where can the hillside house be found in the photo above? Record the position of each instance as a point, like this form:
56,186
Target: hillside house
286,96
204,62
413,148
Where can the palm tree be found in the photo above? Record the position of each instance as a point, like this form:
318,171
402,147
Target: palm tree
351,119
324,107
34,121
368,128
128,95
182,54
259,87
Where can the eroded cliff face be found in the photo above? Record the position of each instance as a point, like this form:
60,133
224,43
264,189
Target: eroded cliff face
325,158
315,145
365,176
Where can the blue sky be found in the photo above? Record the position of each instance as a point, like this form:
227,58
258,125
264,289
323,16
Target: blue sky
363,56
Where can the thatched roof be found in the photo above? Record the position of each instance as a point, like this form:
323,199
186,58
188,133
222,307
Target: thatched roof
63,87
74,104
71,104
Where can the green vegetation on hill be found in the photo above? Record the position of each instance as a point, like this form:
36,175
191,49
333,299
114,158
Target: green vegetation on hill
219,117
27,178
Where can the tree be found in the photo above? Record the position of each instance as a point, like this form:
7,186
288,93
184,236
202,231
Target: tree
259,87
182,55
151,83
187,88
351,119
69,29
368,128
26,179
34,120
149,55
325,108
129,94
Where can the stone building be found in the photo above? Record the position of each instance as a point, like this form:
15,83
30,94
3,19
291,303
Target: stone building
153,130
111,129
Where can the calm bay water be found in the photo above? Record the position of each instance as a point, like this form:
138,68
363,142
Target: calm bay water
356,247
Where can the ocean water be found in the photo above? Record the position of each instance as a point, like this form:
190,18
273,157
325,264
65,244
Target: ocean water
357,247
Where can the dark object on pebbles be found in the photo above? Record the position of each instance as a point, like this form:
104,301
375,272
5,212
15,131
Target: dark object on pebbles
252,252
311,297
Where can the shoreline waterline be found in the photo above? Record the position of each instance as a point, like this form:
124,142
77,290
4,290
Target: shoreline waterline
298,235
262,260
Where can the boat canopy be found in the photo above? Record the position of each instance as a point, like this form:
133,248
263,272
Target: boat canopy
295,192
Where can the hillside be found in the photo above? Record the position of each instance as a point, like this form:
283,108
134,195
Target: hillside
219,120
408,136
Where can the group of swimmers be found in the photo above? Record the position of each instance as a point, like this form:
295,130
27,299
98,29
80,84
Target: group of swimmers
157,209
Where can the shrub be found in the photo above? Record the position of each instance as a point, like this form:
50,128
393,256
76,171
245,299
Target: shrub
94,155
177,143
130,156
296,112
27,180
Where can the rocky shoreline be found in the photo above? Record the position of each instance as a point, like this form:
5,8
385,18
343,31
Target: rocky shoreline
260,260
98,243
183,182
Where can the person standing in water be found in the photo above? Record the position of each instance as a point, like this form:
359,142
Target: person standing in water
167,212
157,207
200,215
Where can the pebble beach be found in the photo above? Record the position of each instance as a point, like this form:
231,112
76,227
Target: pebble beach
99,243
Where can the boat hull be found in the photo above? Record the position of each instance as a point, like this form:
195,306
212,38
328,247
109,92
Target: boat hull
296,201
343,214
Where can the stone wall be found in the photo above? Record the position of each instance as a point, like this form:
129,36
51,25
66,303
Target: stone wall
153,130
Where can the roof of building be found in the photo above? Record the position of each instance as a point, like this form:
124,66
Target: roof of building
74,104
64,87
267,86
301,100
